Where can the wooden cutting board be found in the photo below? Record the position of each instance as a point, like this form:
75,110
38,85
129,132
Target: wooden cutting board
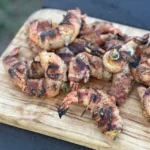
40,115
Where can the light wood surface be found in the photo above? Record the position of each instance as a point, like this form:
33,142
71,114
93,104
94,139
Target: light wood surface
40,115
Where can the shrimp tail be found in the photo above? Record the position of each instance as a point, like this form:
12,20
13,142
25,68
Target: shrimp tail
62,112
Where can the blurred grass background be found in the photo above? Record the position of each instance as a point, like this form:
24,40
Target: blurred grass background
13,14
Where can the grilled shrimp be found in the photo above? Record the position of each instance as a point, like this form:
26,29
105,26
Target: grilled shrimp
122,83
102,106
97,69
78,69
54,66
144,94
141,71
57,36
83,66
55,71
98,32
43,87
78,46
30,77
17,69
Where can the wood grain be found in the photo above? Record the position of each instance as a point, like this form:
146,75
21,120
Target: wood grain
40,115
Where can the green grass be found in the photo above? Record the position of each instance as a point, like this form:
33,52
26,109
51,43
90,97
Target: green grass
13,14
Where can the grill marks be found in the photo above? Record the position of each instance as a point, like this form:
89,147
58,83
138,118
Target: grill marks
81,65
65,54
53,33
53,66
53,76
18,72
147,93
106,117
66,19
12,73
93,98
16,69
52,71
66,57
79,68
35,87
135,62
80,45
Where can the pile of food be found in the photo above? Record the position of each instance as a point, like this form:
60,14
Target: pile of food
72,51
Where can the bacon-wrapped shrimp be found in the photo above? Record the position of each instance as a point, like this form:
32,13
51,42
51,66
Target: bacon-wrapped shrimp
122,83
102,106
141,71
144,94
55,70
58,36
17,69
97,69
83,66
54,66
78,69
43,87
30,77
35,27
78,46
39,84
98,32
